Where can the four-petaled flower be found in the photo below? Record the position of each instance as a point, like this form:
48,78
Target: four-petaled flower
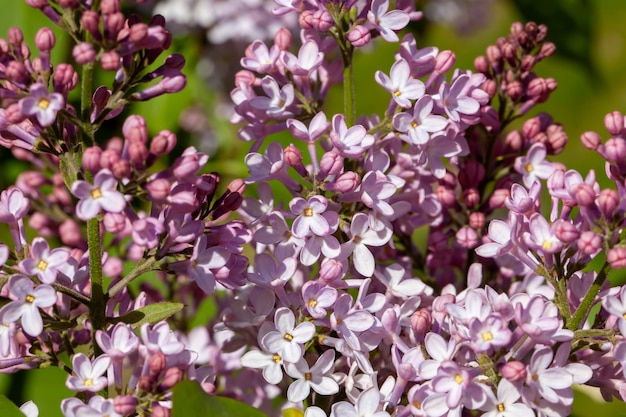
102,195
28,300
41,104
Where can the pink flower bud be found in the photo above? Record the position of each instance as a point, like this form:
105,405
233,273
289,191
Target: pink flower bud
156,363
467,237
528,62
421,322
172,377
439,303
160,411
14,114
490,87
359,36
590,140
608,200
477,220
615,150
446,196
91,158
509,52
146,383
108,158
113,267
65,78
125,404
513,371
306,19
138,154
138,32
515,90
331,270
444,61
331,164
614,123
471,197
159,189
292,156
322,20
90,21
110,61
616,257
70,234
245,77
282,39
345,183
114,222
83,53
565,231
494,55
472,174
547,49
585,195
121,169
38,4
41,223
514,141
16,71
589,243
44,40
481,64
163,143
68,4
109,6
498,198
15,36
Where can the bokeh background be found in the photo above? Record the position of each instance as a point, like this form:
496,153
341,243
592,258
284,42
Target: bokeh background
590,68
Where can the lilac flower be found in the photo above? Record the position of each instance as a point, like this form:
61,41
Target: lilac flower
488,334
120,344
504,403
204,260
453,101
617,307
392,276
400,84
347,321
308,60
541,236
97,407
270,363
534,164
456,382
261,59
387,22
362,236
317,298
317,127
44,262
278,100
351,143
159,339
288,338
310,218
439,351
29,409
102,195
546,380
375,189
367,405
418,125
315,377
42,104
501,242
445,144
279,234
88,374
27,303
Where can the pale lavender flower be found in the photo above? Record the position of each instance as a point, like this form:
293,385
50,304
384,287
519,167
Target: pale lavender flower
367,405
456,383
420,124
489,333
89,375
504,403
270,363
288,338
261,59
362,236
386,22
317,298
346,321
102,195
278,100
444,144
120,343
41,104
29,409
160,339
315,377
376,189
279,234
44,262
317,127
258,209
544,379
146,232
393,277
534,165
308,60
452,99
352,142
500,234
28,301
617,307
439,351
202,264
541,236
400,84
310,218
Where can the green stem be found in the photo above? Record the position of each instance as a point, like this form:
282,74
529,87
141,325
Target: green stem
86,85
97,314
70,292
583,309
348,93
145,266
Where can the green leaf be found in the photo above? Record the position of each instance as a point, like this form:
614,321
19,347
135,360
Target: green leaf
69,169
191,401
292,412
152,313
8,409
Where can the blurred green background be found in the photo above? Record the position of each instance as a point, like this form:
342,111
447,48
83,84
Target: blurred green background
590,68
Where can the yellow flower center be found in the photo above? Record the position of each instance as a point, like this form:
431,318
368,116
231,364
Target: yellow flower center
487,336
500,407
96,193
396,93
458,378
43,103
42,265
414,124
528,167
288,337
312,303
547,244
88,382
30,299
308,212
277,358
416,404
307,376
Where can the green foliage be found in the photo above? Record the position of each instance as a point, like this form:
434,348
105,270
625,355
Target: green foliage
190,401
8,409
151,314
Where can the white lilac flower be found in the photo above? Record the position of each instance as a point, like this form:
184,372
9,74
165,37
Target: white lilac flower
288,338
315,377
88,375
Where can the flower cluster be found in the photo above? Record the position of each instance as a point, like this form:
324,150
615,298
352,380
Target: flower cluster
397,264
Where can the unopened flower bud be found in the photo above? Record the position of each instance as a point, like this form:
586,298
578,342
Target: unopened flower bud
90,21
109,6
446,196
293,158
615,150
138,32
282,39
590,140
306,19
146,383
498,197
472,174
91,158
471,197
608,200
159,189
528,62
65,78
331,270
68,4
514,141
514,90
15,36
547,49
346,182
160,411
467,237
322,20
83,53
113,267
557,139
331,164
156,363
70,234
616,257
246,77
125,404
513,371
172,377
108,158
45,40
163,143
138,154
121,169
110,61
444,61
481,64
589,243
359,36
614,123
493,54
421,322
477,220
16,71
135,129
114,222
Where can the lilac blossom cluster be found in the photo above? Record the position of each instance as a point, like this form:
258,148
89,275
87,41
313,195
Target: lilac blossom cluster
412,270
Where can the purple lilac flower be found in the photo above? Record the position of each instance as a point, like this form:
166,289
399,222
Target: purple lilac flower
420,124
346,321
352,142
367,405
88,374
288,338
270,363
28,301
44,262
452,99
534,164
400,84
315,377
102,195
386,22
362,236
505,402
41,104
310,218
